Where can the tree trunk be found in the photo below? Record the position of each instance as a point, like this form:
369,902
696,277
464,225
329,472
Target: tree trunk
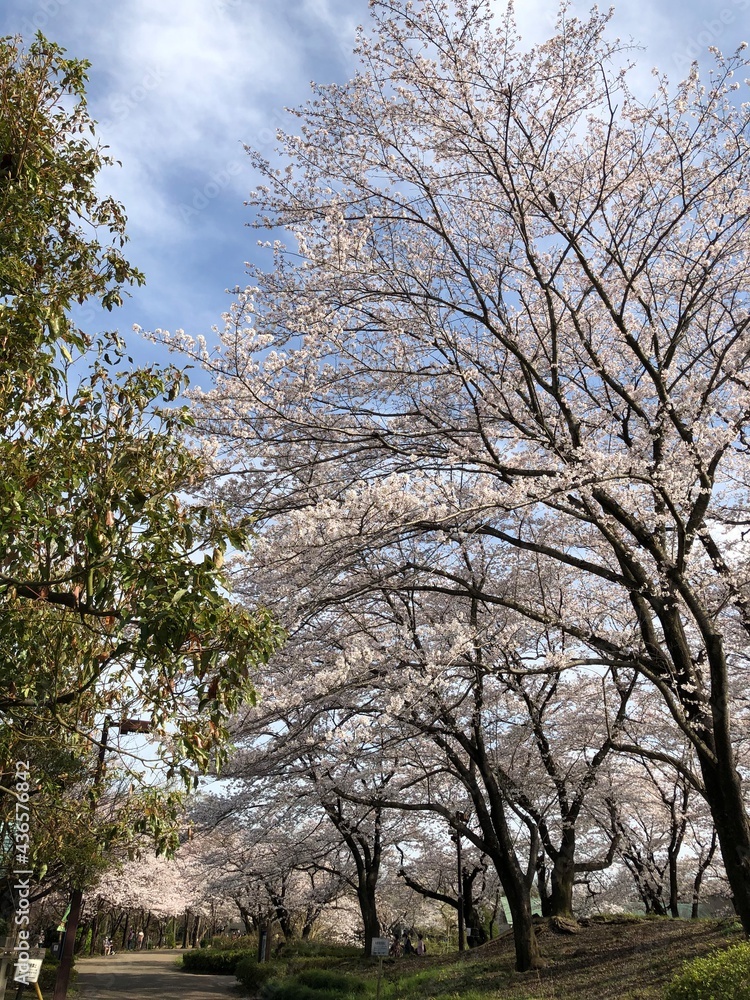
673,907
195,941
723,793
561,897
95,928
524,935
66,959
475,932
698,880
563,877
369,911
499,845
311,915
247,919
545,898
474,929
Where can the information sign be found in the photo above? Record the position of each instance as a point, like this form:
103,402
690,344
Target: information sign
380,947
27,972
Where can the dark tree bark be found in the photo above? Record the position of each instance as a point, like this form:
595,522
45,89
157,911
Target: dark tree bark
366,849
698,880
66,958
472,917
725,798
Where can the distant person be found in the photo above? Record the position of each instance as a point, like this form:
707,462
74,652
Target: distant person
131,940
395,949
139,938
421,946
408,946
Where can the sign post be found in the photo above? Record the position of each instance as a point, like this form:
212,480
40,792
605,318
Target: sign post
379,950
6,962
27,971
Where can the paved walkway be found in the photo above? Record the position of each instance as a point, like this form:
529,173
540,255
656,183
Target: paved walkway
147,975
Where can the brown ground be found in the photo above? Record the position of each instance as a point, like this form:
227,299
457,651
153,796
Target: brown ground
147,975
622,959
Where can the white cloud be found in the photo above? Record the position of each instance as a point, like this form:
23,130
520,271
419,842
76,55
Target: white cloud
179,86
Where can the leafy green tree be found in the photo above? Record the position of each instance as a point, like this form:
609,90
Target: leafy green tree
60,241
114,601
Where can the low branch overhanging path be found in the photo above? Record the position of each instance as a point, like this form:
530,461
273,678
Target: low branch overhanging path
147,975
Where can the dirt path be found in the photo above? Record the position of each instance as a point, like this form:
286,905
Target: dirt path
147,975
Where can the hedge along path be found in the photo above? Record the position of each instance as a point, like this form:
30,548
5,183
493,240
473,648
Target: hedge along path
147,975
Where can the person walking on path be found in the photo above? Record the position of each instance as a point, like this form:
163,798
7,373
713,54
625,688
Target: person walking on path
139,938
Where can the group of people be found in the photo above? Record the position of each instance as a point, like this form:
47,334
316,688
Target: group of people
397,949
135,941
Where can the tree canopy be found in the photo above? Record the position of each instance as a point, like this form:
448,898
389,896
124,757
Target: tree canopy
114,607
502,362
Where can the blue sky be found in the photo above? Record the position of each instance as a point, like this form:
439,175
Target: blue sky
180,85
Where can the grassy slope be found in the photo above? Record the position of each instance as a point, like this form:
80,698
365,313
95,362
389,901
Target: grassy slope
621,959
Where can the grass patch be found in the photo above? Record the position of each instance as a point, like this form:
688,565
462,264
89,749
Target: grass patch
329,979
623,957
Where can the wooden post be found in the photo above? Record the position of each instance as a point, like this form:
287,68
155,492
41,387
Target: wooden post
6,963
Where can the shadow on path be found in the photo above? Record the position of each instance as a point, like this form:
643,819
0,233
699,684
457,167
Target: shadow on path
147,975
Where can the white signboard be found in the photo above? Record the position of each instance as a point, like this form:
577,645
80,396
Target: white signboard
380,946
28,972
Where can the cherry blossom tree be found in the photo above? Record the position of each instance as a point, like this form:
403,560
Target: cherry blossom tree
515,308
154,886
434,875
665,838
269,851
446,681
313,752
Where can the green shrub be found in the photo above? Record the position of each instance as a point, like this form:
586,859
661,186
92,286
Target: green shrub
234,942
211,960
328,979
320,949
722,975
252,974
